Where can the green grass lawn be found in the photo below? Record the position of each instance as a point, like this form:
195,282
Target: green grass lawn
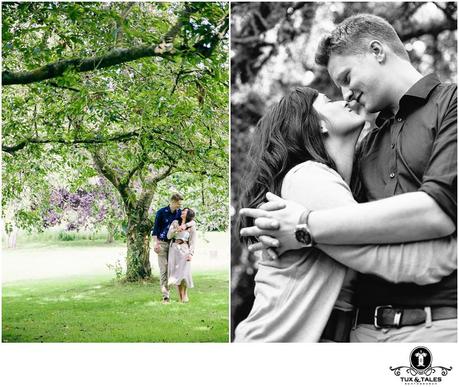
95,309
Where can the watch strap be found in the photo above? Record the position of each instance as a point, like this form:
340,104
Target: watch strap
304,219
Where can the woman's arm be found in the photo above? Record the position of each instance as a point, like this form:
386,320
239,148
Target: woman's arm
317,187
191,223
422,263
172,229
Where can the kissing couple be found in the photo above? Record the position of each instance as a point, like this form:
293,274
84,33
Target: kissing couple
174,238
357,244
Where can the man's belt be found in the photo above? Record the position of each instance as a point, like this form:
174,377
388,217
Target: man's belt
388,316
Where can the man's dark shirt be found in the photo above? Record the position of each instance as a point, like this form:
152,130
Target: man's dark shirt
415,150
164,218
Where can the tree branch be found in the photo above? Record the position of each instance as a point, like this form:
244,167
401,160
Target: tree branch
170,142
177,78
54,84
123,137
415,31
448,10
127,195
142,162
132,172
152,180
104,169
172,33
203,173
112,58
119,23
163,175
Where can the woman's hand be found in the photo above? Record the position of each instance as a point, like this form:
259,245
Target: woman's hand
275,223
189,257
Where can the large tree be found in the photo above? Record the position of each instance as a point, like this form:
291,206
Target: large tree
134,92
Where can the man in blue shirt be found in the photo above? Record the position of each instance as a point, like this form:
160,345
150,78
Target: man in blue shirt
164,217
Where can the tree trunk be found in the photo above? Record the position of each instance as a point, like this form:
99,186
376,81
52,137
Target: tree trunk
138,246
12,239
139,225
110,232
11,232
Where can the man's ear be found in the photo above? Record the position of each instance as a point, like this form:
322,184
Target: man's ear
378,50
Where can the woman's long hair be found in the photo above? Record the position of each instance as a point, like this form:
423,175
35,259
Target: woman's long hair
287,135
189,216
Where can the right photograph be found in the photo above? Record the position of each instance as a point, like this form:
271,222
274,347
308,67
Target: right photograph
344,172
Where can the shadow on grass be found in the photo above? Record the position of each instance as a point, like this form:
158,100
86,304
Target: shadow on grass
98,309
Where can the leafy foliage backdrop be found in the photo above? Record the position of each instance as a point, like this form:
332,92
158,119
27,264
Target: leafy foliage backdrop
133,93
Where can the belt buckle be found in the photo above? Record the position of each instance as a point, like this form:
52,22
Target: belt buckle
377,309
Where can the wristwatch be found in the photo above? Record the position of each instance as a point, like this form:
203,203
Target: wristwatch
302,231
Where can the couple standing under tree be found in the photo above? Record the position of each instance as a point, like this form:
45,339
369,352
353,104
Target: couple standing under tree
380,271
174,236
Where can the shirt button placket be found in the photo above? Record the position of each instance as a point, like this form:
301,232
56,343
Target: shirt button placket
392,183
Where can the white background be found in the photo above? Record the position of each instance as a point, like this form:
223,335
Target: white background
213,364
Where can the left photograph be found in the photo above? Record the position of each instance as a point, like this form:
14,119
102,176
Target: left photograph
115,172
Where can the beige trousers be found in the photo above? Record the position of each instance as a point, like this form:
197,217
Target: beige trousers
441,331
162,263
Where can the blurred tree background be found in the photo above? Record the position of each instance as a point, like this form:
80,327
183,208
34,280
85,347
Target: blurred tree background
272,50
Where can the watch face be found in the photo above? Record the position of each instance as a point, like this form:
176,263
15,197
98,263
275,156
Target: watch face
303,236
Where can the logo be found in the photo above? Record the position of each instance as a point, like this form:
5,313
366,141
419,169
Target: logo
420,371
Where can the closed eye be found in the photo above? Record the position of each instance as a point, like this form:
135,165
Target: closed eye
344,80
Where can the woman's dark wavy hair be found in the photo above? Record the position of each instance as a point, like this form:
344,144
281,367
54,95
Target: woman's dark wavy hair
189,215
287,135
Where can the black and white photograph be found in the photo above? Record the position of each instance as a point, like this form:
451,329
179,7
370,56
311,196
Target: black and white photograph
344,172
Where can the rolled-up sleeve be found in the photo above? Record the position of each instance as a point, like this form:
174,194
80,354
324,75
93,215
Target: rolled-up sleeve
440,179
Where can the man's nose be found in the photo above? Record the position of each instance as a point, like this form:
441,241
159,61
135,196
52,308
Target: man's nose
347,94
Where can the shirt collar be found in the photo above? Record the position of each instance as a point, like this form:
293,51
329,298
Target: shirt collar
382,117
418,93
422,88
169,209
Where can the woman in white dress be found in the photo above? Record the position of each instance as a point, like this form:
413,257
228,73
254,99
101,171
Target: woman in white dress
181,251
303,150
